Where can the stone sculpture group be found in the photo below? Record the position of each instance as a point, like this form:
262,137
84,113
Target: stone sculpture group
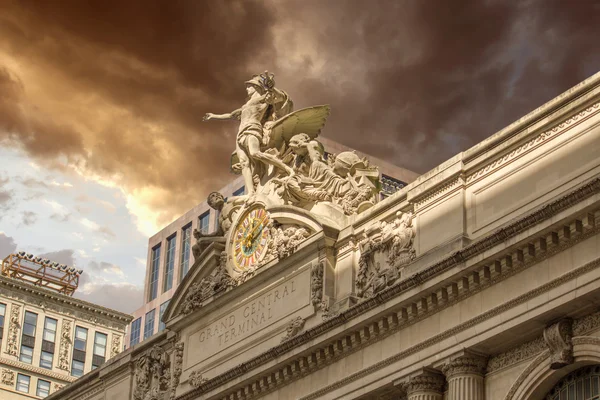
278,154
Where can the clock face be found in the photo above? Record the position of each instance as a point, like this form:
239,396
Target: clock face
250,239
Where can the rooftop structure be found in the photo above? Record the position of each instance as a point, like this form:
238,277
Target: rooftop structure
41,272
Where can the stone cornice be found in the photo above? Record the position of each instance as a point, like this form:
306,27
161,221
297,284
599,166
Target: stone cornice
41,371
67,301
533,143
455,259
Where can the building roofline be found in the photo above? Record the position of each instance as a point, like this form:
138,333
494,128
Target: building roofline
61,298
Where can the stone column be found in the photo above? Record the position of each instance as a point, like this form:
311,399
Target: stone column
465,378
427,386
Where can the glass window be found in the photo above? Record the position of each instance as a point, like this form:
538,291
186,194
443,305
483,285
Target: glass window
26,355
153,290
23,383
46,360
203,222
30,323
169,264
43,388
163,307
149,324
50,329
135,332
80,338
2,314
184,263
240,191
77,368
100,344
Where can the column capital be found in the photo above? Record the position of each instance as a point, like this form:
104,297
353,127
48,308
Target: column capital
428,381
465,365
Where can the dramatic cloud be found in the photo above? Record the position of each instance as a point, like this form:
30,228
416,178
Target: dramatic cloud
122,297
28,217
62,257
7,245
117,90
106,268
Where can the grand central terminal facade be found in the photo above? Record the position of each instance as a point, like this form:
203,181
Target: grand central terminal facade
479,280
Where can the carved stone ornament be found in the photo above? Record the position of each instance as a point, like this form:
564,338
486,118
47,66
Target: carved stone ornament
558,338
278,154
8,377
386,248
196,379
285,239
465,366
425,383
13,330
57,386
152,375
316,285
218,281
293,328
177,368
115,346
63,350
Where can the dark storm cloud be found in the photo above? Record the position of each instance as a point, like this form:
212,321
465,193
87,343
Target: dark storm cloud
121,87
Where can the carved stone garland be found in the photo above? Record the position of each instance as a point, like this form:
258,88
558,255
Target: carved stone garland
177,368
65,340
386,248
558,338
285,240
13,330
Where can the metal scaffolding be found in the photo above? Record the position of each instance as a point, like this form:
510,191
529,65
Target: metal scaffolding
41,272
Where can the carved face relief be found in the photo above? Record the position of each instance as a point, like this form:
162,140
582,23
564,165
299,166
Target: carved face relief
250,239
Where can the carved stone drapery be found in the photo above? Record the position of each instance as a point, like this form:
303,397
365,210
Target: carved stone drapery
316,285
8,377
196,379
293,328
177,368
115,346
13,330
65,341
152,375
558,338
385,249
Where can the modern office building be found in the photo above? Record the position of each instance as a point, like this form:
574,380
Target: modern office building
47,338
170,250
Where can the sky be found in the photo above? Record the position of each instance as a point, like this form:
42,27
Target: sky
101,102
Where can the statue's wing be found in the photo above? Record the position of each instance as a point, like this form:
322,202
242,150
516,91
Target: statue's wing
307,120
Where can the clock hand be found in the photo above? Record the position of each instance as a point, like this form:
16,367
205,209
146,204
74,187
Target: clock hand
256,227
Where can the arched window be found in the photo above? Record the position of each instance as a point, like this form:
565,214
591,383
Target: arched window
582,384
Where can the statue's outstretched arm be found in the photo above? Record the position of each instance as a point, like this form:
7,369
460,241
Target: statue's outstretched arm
222,117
